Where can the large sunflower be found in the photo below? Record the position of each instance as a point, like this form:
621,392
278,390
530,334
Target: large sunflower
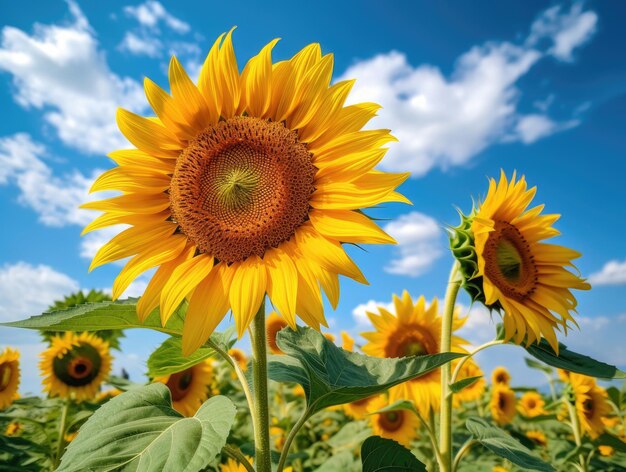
414,329
243,185
399,425
506,265
9,376
190,387
591,403
75,365
502,404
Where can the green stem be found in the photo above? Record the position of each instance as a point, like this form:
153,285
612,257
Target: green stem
432,434
457,370
61,442
445,415
466,447
306,414
576,429
236,454
551,384
261,418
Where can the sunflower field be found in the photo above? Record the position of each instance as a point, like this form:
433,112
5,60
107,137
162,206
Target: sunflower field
242,191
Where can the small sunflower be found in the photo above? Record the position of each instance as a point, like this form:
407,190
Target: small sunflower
243,185
538,437
499,468
591,403
273,324
502,405
347,341
606,451
75,365
277,434
190,387
474,391
532,404
507,267
413,330
106,395
232,465
399,425
500,376
240,357
14,428
359,409
9,376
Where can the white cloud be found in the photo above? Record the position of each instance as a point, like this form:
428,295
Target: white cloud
443,121
61,70
566,30
27,290
360,312
151,13
613,273
55,199
418,238
141,45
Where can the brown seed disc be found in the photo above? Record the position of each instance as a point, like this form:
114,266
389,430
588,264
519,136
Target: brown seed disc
391,421
242,187
179,383
411,341
509,262
80,367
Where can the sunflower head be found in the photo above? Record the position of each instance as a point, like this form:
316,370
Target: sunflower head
500,376
474,391
232,465
591,402
14,428
273,324
75,365
538,437
502,404
191,387
506,266
245,184
399,425
531,404
9,376
359,409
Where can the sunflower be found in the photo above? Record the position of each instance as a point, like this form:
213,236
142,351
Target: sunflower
240,358
14,428
9,376
507,267
190,387
538,437
591,403
330,336
563,375
108,394
532,404
500,376
273,324
347,341
399,425
359,409
499,468
474,391
75,365
413,330
233,466
243,185
502,405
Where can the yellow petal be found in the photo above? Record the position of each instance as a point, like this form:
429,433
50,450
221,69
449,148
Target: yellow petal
348,120
111,219
188,98
350,166
282,284
247,291
182,281
309,305
256,82
228,77
348,226
166,109
147,135
207,82
138,158
357,141
131,204
127,179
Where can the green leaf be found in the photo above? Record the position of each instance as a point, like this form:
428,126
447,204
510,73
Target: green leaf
607,439
332,376
463,383
341,462
538,365
120,314
168,357
399,405
615,396
573,362
503,445
139,430
378,454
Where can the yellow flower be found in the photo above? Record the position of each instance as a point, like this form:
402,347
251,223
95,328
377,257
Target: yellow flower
278,435
502,404
273,324
512,270
9,376
329,336
498,468
500,376
75,365
190,387
243,185
538,437
108,394
606,451
611,421
298,391
532,404
474,391
360,408
399,425
233,466
240,358
563,374
591,403
69,437
414,329
347,341
14,428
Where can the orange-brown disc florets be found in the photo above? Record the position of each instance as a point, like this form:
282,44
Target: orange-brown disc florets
242,187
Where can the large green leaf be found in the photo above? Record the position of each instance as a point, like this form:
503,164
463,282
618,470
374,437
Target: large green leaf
573,361
120,314
379,454
139,430
333,376
503,445
168,357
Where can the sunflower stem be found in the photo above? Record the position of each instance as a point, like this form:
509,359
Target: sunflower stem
445,415
261,418
290,437
236,454
466,447
576,430
62,425
462,362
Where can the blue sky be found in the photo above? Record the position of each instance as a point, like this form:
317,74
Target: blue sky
468,89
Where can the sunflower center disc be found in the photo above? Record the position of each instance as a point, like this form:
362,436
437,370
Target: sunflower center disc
80,367
411,341
5,376
242,187
391,421
509,263
501,402
179,384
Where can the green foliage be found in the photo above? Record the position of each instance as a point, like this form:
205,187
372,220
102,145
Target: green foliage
502,444
332,376
459,385
139,430
379,454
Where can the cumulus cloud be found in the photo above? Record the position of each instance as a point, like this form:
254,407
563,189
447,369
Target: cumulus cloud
61,70
613,273
151,14
141,45
443,121
418,238
360,311
54,198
